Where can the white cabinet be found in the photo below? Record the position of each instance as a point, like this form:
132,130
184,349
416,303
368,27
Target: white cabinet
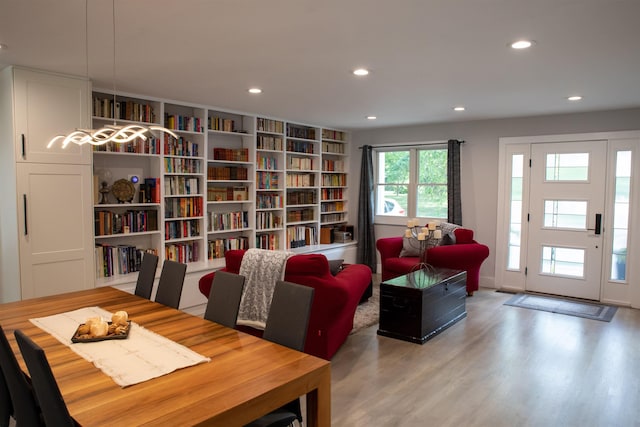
45,106
46,237
55,220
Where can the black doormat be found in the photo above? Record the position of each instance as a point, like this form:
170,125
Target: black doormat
563,306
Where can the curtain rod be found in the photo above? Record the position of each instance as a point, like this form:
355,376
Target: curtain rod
410,144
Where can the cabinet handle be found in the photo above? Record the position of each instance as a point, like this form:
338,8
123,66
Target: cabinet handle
24,203
24,153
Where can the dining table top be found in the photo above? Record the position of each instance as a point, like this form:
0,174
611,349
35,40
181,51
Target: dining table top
246,378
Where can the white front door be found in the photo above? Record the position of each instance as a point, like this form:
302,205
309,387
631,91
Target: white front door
566,200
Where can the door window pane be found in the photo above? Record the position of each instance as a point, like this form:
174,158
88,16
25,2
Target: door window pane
567,167
563,261
621,216
515,215
565,214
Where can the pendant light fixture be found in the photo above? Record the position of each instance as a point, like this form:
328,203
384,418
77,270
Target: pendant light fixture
108,133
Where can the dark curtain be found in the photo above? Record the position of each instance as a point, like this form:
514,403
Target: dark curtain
454,213
366,253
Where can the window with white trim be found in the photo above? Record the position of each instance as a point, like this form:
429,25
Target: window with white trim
411,182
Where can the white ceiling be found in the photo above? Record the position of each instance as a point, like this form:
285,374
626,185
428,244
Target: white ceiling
425,56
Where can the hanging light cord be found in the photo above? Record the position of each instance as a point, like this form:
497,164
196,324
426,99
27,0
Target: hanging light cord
113,12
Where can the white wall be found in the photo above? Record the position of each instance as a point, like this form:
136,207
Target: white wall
479,161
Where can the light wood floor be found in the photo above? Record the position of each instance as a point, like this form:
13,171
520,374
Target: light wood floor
501,366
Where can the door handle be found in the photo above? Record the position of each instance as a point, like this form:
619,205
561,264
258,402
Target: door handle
24,204
597,230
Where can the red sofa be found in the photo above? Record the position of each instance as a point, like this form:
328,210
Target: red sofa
466,254
334,303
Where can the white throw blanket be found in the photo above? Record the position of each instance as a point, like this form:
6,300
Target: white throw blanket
261,269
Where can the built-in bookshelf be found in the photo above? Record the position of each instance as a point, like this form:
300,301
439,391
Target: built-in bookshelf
228,181
270,185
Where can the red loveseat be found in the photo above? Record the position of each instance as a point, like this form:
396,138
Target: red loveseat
334,303
466,254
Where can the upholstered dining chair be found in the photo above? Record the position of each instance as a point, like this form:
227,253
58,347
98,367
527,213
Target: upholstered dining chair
170,283
146,275
6,408
224,298
287,324
45,387
25,408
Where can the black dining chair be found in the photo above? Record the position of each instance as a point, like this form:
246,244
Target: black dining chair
146,275
224,298
287,324
170,283
45,387
6,408
25,409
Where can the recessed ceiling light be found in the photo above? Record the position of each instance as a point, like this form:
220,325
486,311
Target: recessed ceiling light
3,46
574,98
255,90
458,108
522,44
361,72
371,117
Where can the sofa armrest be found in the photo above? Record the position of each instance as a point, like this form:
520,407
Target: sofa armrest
389,247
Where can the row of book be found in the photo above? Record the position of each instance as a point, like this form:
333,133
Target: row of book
150,145
118,259
268,125
123,110
150,190
180,165
331,194
267,162
269,142
131,221
336,135
179,146
226,194
332,147
301,180
181,185
300,163
182,207
301,146
181,229
332,207
231,154
268,201
219,123
270,241
299,236
268,220
332,165
267,180
217,247
298,215
221,221
334,180
301,197
180,122
331,218
226,173
296,131
182,252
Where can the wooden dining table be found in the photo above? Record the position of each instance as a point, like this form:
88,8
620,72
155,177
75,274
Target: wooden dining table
246,378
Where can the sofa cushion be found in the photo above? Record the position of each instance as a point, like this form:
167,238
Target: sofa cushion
464,236
410,247
448,239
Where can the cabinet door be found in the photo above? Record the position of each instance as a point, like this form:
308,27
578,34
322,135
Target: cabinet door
45,106
55,219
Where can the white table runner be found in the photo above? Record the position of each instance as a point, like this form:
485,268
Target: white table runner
142,356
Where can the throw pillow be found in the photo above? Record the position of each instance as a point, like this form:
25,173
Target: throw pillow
335,266
410,247
448,239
